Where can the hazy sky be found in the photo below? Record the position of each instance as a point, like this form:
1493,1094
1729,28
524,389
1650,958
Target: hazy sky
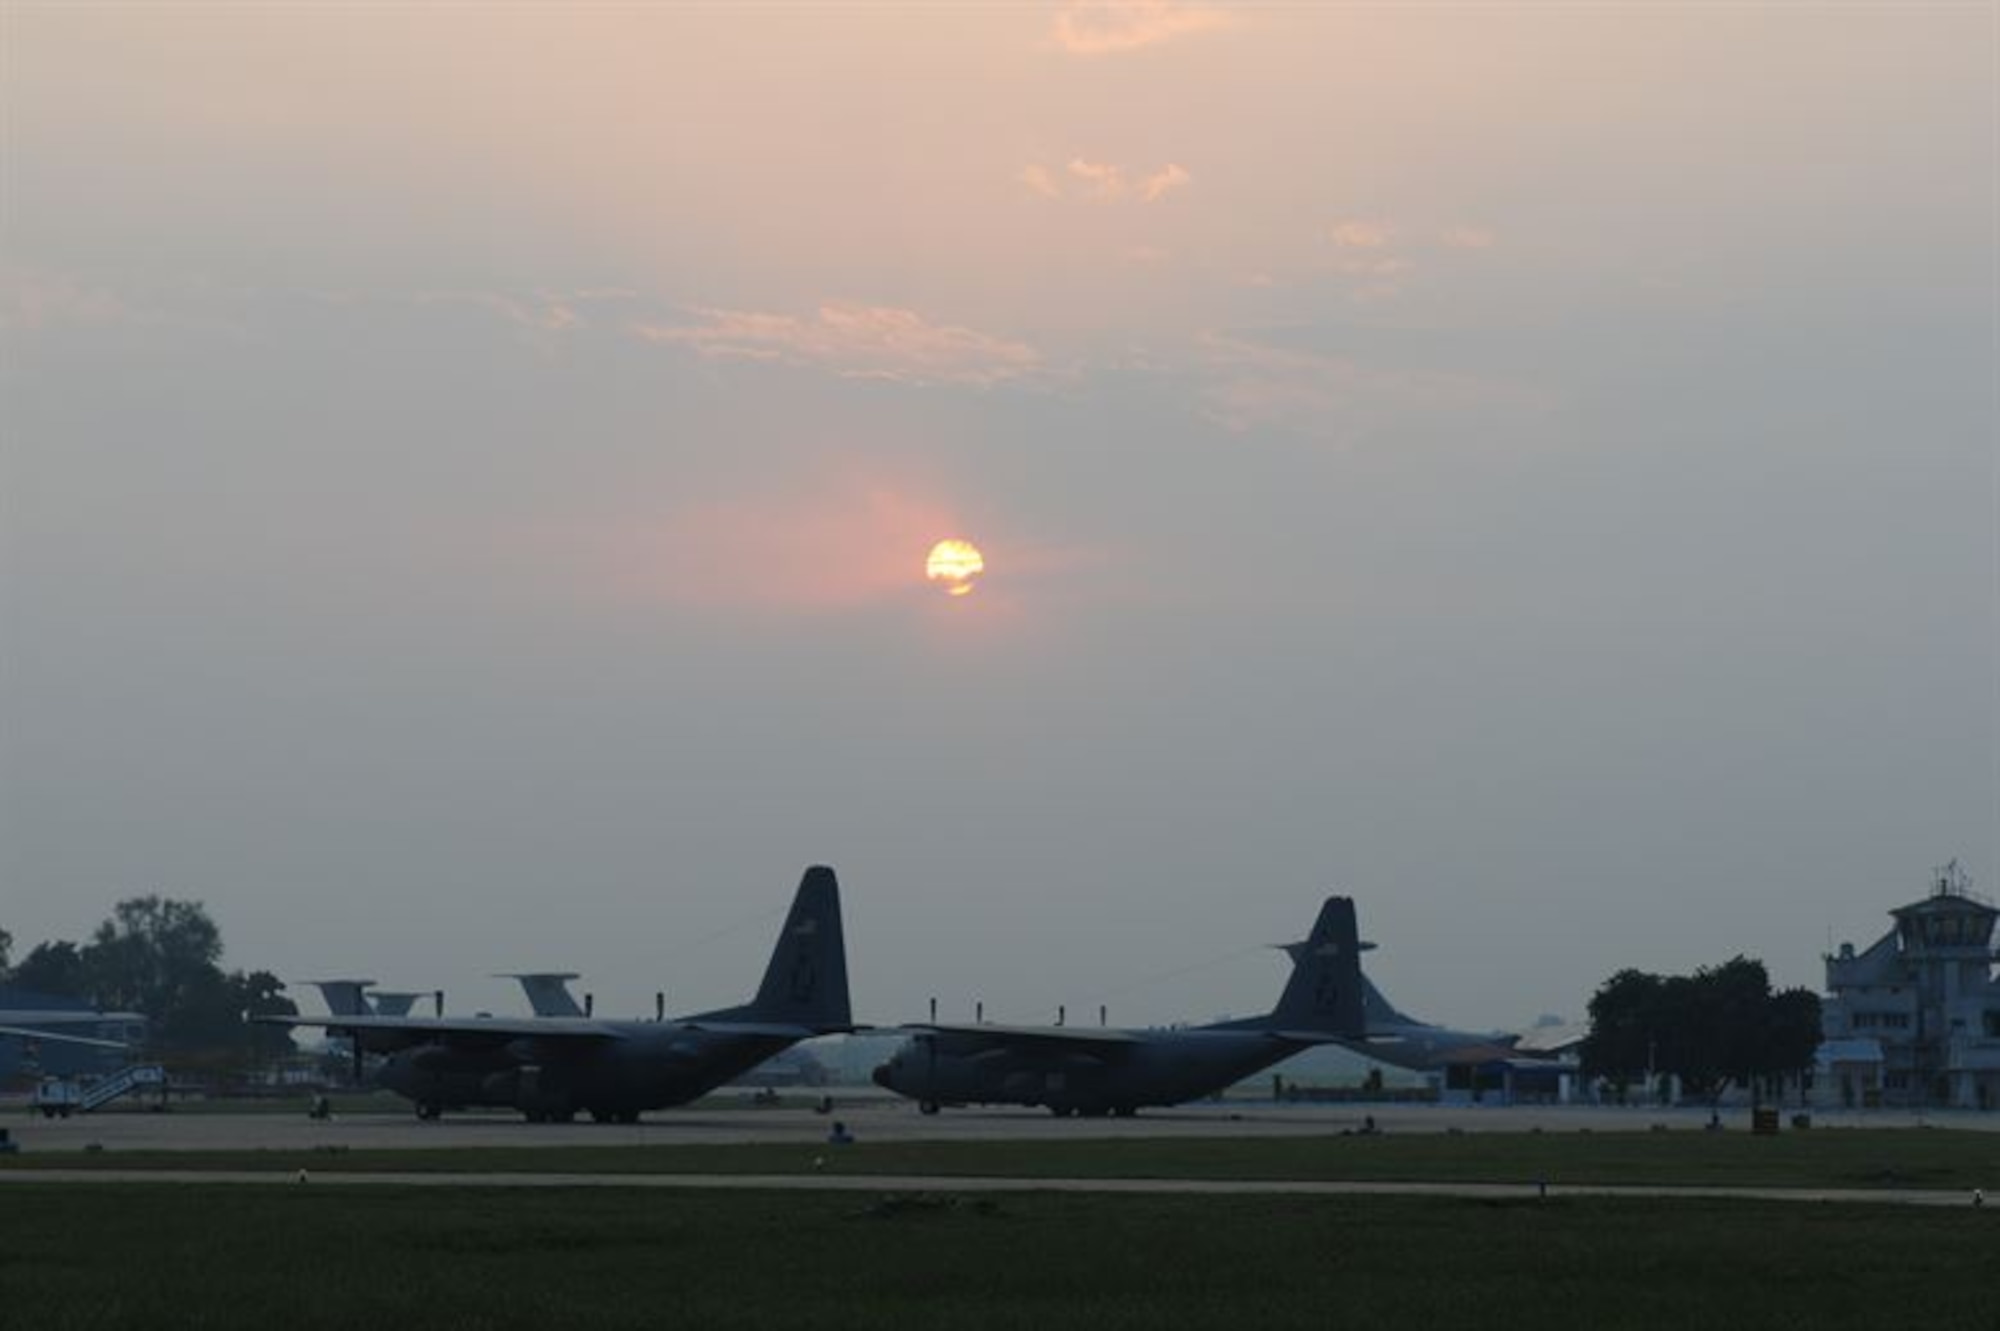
467,472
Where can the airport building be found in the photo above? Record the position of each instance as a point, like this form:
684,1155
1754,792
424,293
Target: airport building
1913,1020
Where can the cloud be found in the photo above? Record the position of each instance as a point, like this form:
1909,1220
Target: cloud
1111,26
856,342
1251,386
1170,177
1467,238
1376,265
1039,179
33,299
541,319
1360,234
1364,250
1377,252
1104,181
542,312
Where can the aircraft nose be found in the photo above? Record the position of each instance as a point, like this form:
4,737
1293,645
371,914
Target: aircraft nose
884,1075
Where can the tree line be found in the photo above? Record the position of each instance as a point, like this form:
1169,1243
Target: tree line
1721,1026
161,958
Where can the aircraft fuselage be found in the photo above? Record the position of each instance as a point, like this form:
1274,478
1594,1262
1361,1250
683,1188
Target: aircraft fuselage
1424,1048
648,1065
1154,1068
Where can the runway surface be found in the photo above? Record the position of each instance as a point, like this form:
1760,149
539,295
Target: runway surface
934,1184
869,1118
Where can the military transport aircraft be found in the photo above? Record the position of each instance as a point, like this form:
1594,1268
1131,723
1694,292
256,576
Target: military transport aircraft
1079,1070
551,1068
1390,1036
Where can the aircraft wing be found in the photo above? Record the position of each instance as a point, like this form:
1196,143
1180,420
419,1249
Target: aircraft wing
1080,1038
401,1032
30,1033
776,1029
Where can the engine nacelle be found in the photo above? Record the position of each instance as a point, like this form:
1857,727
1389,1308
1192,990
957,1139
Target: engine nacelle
528,1089
432,1058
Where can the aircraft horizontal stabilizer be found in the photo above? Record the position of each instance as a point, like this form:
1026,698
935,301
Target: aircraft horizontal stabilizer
54,1037
506,1028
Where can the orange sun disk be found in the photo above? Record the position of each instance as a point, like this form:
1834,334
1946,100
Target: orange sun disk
954,565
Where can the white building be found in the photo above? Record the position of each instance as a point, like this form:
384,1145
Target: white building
1914,1020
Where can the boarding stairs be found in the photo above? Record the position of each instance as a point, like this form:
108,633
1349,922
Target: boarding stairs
138,1077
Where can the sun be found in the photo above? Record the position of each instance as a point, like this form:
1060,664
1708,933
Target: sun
954,565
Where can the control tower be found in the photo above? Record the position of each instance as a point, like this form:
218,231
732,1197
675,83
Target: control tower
1925,993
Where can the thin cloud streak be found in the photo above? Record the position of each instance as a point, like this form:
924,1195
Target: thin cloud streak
1251,387
1101,179
1104,181
1040,180
1467,238
1362,234
34,299
856,342
1171,177
1117,26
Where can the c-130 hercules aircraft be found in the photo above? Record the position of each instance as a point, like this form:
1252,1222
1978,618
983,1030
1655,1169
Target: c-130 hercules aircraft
552,1068
1070,1070
1078,1070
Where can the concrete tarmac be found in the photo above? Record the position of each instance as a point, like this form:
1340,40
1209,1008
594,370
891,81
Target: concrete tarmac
872,1118
818,1181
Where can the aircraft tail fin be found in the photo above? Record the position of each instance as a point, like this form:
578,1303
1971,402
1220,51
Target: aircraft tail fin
1379,1011
547,992
393,1003
345,998
1326,992
805,983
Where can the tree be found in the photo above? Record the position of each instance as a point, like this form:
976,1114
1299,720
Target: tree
1718,1027
1625,1018
158,956
1795,1030
6,947
53,968
261,994
150,951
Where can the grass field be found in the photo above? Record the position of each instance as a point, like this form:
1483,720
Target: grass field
1852,1158
118,1255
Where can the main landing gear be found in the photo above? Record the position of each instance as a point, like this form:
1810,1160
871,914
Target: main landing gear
548,1115
614,1116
